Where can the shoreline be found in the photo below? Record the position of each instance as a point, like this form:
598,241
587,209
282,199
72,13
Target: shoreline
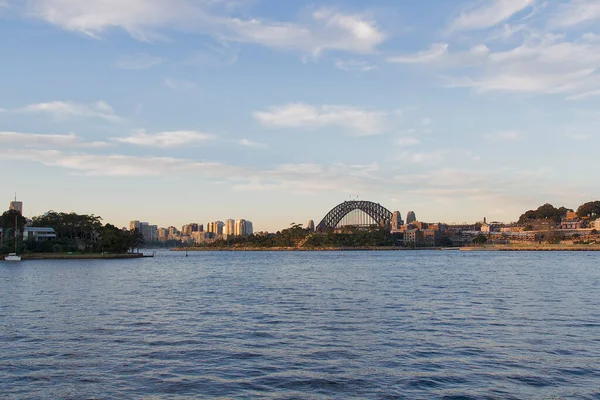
91,256
468,248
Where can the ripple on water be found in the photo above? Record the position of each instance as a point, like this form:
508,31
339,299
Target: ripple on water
390,325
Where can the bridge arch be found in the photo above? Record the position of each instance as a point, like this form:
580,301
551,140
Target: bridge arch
381,215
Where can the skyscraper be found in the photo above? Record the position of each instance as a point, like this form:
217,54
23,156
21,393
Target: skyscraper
16,205
243,228
410,217
310,225
229,228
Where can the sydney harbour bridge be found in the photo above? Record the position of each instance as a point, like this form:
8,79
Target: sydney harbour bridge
360,214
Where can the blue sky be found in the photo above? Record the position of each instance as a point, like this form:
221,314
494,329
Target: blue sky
196,110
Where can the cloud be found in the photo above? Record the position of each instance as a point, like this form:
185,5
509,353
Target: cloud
436,52
66,110
299,115
576,12
355,66
250,143
591,37
34,140
121,165
543,63
148,20
488,13
585,95
426,121
424,158
179,84
407,141
504,136
137,61
166,139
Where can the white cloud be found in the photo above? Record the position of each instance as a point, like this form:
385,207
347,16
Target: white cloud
426,121
584,95
407,141
354,66
65,110
576,12
436,52
591,37
121,165
297,115
250,143
179,84
34,140
137,61
147,20
166,139
542,64
488,13
504,136
424,158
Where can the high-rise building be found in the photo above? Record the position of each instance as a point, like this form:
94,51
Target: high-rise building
243,228
163,234
216,227
153,233
310,225
133,225
410,217
229,228
17,206
396,221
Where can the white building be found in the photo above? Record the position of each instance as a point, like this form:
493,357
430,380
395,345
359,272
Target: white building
243,228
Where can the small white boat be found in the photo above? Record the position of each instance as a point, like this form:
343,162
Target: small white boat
12,257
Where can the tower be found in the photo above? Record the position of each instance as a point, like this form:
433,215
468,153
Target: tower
310,225
16,205
396,221
411,217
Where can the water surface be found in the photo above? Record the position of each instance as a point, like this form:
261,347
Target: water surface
425,324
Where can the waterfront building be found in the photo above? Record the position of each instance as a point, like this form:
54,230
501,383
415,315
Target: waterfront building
571,221
39,234
414,237
410,217
541,224
133,225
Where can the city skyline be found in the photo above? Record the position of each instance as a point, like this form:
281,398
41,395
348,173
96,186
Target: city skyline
199,109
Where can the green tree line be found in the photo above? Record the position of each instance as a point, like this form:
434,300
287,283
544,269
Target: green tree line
74,233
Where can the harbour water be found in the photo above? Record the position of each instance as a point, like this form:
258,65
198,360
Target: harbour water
295,325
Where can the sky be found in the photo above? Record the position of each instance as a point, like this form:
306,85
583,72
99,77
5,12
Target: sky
275,111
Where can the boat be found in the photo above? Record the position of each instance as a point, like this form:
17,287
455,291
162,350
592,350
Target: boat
14,256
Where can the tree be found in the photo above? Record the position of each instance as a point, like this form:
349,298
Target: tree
7,223
589,210
480,239
546,211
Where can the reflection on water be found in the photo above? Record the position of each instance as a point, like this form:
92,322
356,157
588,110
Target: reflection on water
303,325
